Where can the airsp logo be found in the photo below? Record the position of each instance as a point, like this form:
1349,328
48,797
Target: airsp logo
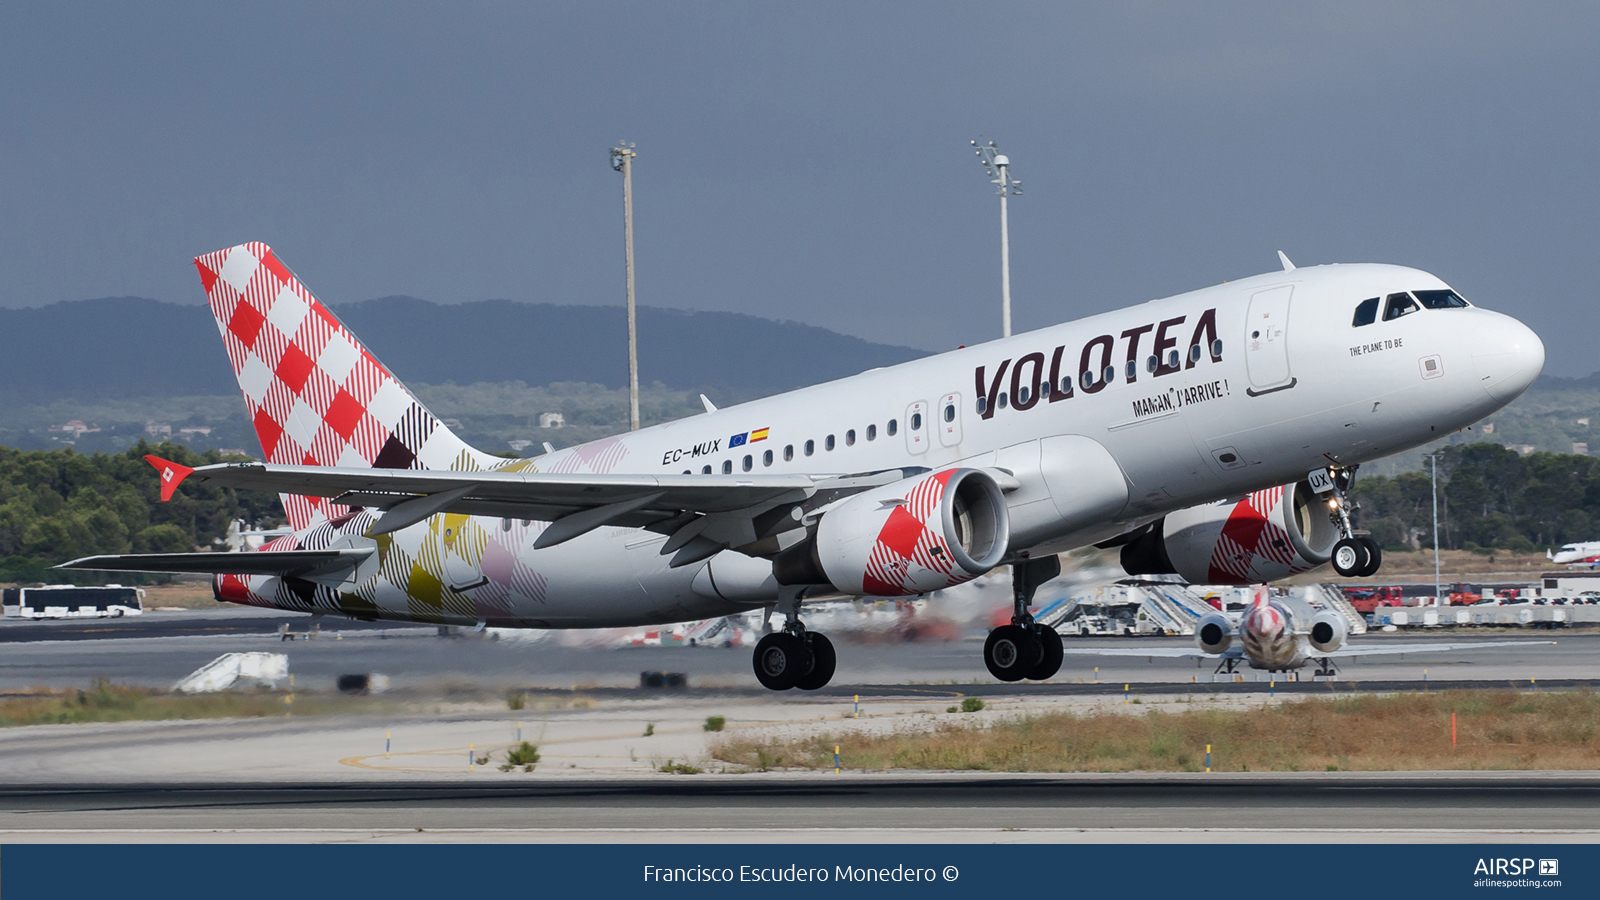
1500,866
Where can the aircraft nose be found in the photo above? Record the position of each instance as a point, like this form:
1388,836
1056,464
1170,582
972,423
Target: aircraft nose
1508,357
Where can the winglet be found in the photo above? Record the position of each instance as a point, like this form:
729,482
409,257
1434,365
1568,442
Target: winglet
1284,258
172,474
710,407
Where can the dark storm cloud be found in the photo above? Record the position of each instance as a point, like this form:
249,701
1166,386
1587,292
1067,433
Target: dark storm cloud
805,161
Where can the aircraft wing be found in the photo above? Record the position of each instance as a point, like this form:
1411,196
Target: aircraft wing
312,565
1381,647
702,513
1165,652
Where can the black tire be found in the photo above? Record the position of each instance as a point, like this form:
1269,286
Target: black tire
1050,659
1349,557
779,661
1010,652
1374,556
823,660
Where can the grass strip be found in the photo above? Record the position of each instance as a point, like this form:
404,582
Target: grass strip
105,701
1493,730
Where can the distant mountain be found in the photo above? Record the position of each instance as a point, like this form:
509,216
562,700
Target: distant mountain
134,347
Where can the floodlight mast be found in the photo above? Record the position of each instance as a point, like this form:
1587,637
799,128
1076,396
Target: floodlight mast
622,161
999,168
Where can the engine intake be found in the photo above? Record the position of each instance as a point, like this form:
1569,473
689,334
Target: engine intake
1328,631
917,535
1213,633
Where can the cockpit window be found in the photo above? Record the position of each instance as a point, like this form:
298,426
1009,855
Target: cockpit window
1398,305
1446,299
1366,313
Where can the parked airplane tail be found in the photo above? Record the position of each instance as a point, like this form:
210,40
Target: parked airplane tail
317,397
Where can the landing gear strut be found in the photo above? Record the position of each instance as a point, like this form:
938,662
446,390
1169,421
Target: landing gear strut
1354,556
793,657
1025,649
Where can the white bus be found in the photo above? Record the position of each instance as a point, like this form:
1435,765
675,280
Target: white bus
68,601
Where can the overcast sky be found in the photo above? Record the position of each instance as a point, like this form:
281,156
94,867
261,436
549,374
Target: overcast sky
806,161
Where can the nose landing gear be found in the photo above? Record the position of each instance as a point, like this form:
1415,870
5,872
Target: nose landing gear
1354,556
1025,649
793,657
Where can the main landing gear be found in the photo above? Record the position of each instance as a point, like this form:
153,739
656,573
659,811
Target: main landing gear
1354,556
1025,649
793,657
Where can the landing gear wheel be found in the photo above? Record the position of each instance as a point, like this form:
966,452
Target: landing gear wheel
780,661
1050,659
1010,652
823,661
1350,558
1374,556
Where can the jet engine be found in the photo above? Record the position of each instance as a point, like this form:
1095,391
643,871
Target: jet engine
1265,536
1328,631
1213,633
917,535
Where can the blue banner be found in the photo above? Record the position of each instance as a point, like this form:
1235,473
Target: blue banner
438,872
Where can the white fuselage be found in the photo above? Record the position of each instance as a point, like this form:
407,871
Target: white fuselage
1296,386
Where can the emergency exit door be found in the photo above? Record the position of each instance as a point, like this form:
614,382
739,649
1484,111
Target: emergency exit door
1266,341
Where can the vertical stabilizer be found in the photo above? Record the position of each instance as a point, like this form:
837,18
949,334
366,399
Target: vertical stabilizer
317,397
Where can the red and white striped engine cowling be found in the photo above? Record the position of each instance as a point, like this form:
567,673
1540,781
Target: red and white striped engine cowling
1268,535
914,536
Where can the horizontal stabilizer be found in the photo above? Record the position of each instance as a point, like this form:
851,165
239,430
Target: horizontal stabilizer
309,564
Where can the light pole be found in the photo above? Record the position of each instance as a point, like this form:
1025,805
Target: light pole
1434,458
622,161
999,169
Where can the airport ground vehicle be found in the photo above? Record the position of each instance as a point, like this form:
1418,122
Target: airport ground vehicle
68,601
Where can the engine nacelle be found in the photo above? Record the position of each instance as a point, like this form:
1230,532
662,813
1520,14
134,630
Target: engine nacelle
917,535
1268,535
1213,633
1328,631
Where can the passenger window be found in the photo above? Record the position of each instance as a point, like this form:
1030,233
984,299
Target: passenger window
788,453
850,438
811,447
1441,299
916,421
1110,374
1022,395
1398,305
983,405
706,471
1366,313
1066,385
1087,379
950,412
1002,404
872,432
747,462
894,427
1133,370
766,458
727,467
829,442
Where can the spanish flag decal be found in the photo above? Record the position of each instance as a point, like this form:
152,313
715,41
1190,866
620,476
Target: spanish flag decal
760,434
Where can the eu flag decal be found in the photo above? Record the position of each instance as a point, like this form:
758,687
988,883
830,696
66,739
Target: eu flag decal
738,440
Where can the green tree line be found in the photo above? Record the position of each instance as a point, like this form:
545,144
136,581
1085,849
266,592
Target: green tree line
57,505
1489,497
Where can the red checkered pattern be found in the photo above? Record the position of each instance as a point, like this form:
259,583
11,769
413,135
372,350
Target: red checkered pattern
910,555
1251,535
317,397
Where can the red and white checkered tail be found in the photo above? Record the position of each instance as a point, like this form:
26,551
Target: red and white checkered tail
317,397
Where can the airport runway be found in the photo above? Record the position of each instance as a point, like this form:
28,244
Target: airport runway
1540,808
161,647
